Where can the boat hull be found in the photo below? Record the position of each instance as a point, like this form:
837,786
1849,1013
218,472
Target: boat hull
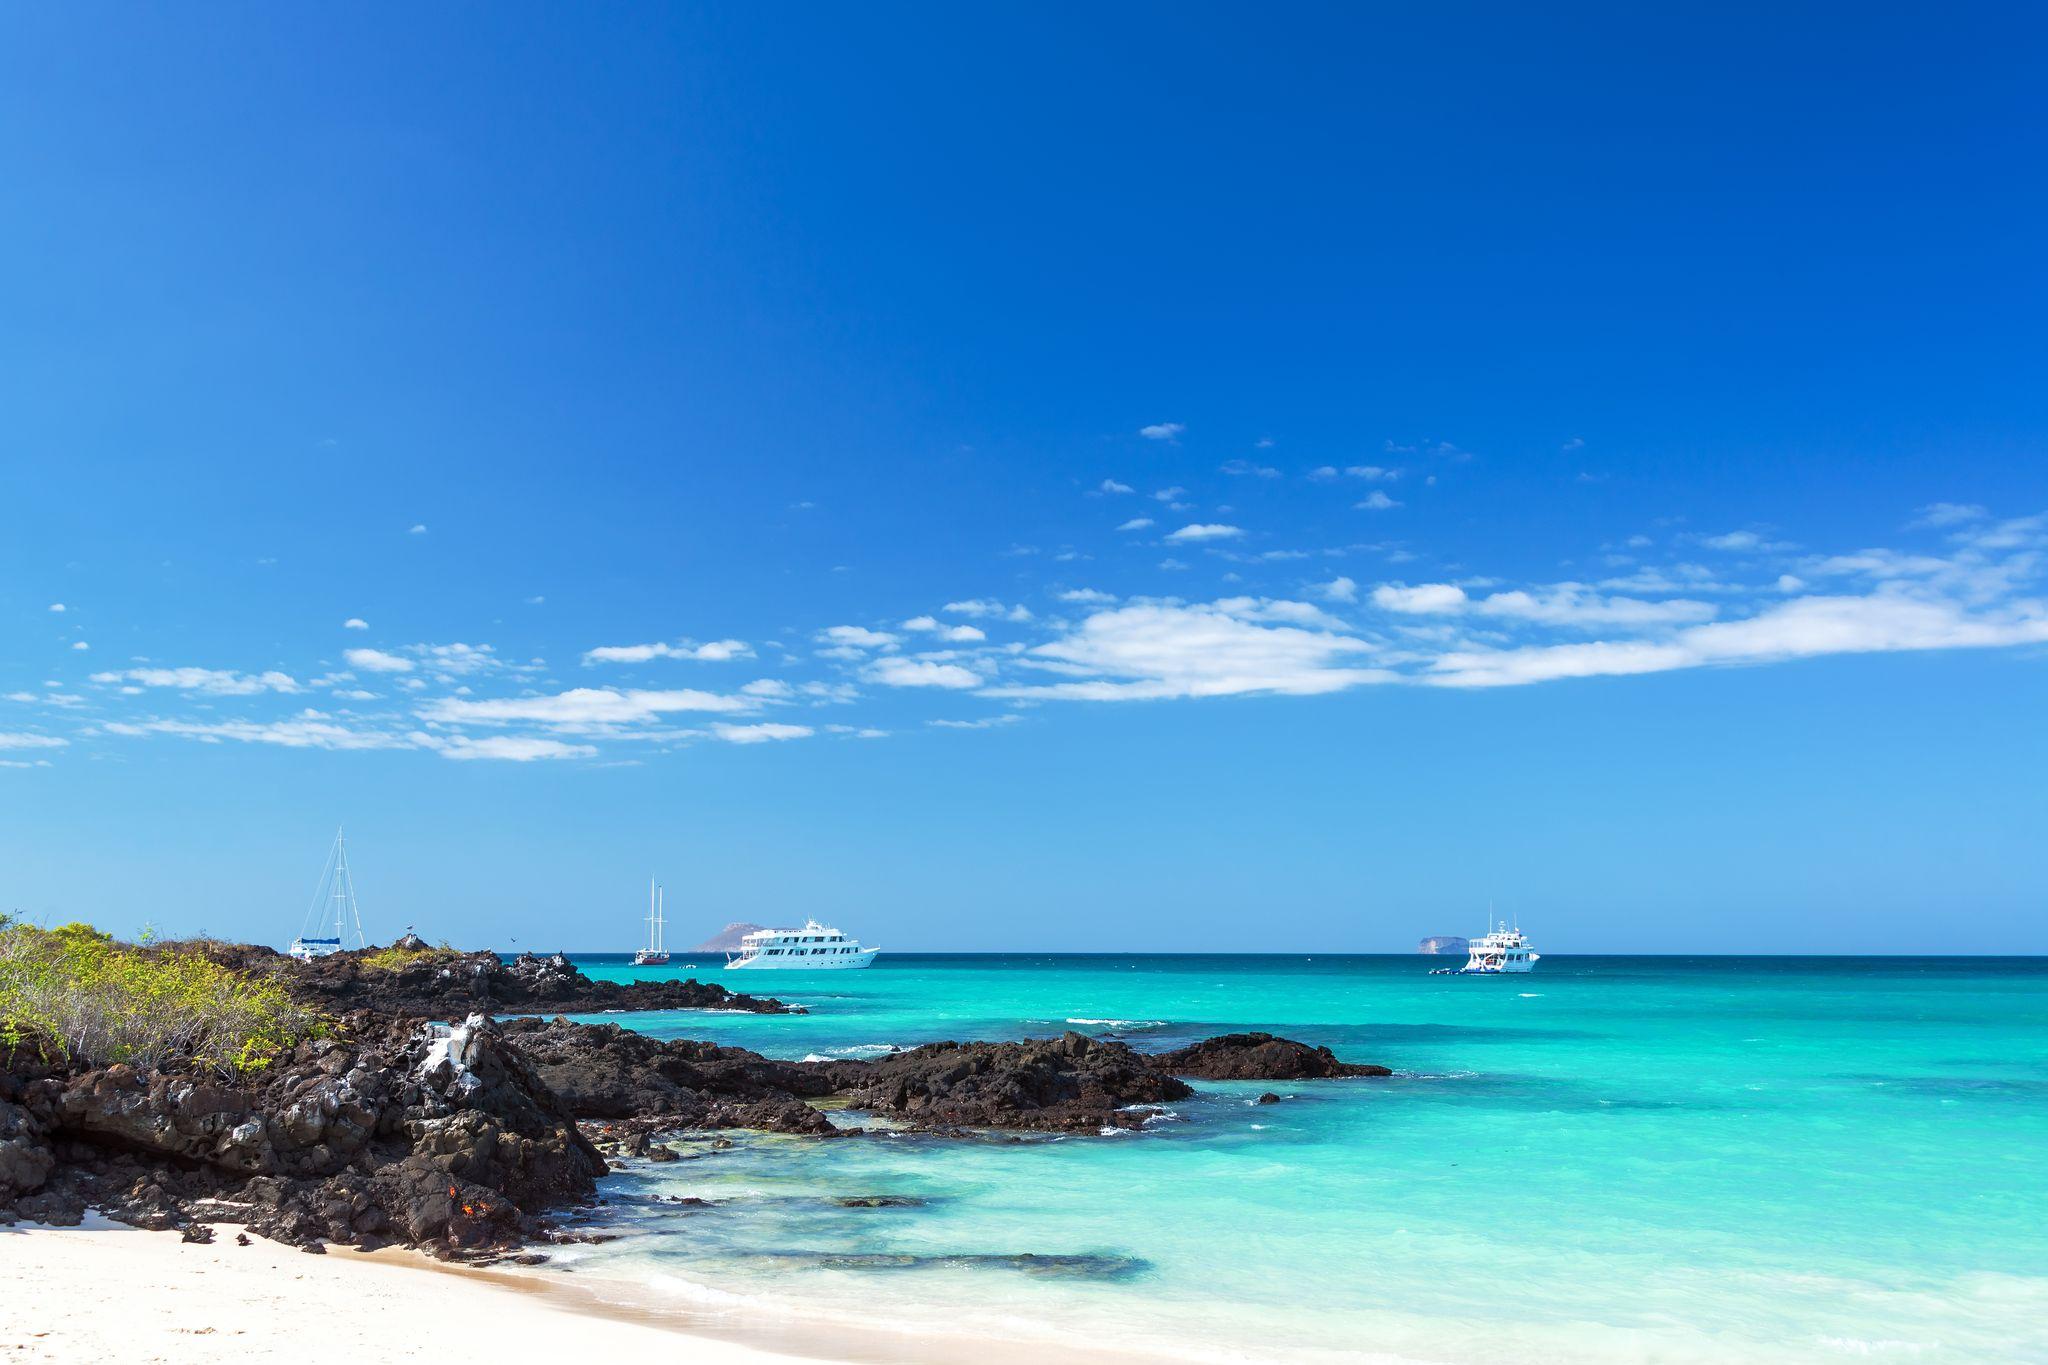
850,962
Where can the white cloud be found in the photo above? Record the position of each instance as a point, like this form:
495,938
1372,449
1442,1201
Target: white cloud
212,681
355,623
80,645
1933,514
1375,501
57,606
1558,604
1136,524
982,606
899,672
307,731
580,708
1091,596
23,740
956,634
456,658
1173,494
1802,628
502,748
1372,472
1572,604
376,661
1112,486
1148,651
711,651
1202,531
1162,431
1248,467
418,529
1338,589
763,733
857,637
1426,598
985,723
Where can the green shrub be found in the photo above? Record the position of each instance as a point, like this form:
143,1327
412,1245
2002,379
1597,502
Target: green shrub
394,959
78,993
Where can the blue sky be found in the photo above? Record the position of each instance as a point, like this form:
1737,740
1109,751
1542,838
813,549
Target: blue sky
1020,478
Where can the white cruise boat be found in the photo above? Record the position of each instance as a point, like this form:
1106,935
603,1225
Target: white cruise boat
332,919
655,954
1503,950
814,948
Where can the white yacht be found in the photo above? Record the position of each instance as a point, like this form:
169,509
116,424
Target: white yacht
1503,950
655,954
814,948
332,918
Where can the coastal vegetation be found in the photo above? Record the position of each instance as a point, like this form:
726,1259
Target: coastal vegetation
78,994
403,954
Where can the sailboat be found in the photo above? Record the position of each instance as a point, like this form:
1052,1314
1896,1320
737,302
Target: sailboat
655,954
332,918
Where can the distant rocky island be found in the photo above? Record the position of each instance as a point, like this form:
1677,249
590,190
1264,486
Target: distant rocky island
1443,943
727,940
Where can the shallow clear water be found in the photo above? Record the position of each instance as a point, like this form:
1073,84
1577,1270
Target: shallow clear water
1608,1159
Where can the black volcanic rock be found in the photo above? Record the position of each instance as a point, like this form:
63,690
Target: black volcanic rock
602,1071
1067,1084
386,1132
1258,1057
447,985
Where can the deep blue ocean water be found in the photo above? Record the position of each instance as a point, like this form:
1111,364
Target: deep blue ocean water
1609,1159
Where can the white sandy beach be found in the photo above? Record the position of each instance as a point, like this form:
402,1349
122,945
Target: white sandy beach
106,1293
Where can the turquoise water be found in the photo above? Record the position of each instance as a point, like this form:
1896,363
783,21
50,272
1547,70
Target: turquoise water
1616,1159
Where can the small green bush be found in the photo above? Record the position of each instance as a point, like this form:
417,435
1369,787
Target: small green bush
78,993
394,959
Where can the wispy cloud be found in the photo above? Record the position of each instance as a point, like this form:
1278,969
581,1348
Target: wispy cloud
984,607
211,681
1136,524
355,623
581,707
1204,531
711,651
501,748
377,661
1112,486
1948,514
1156,650
895,671
765,733
1375,501
1251,468
1162,431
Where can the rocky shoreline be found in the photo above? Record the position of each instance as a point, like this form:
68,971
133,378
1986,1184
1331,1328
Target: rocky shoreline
415,980
396,1128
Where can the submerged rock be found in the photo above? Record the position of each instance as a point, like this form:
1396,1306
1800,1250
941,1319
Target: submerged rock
1088,1265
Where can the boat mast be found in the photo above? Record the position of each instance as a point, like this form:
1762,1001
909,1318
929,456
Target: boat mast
346,912
660,922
